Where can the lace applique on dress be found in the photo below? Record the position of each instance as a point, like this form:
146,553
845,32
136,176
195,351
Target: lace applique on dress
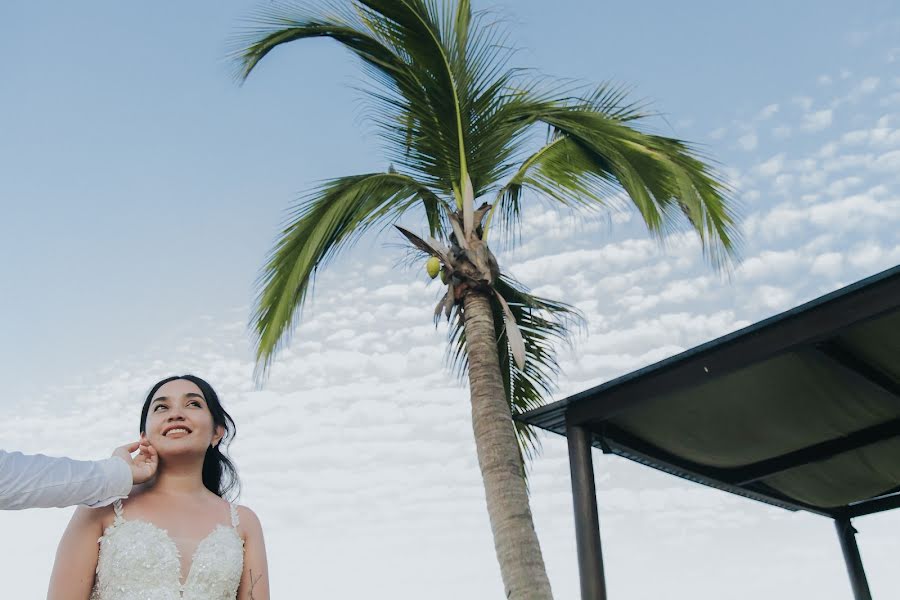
139,561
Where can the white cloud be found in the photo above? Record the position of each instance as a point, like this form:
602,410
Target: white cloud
811,180
828,150
891,100
818,120
614,255
685,289
859,37
847,162
717,134
782,183
868,85
748,141
767,112
889,162
870,208
751,195
871,255
781,132
770,265
770,167
855,137
804,102
863,88
773,298
828,264
840,187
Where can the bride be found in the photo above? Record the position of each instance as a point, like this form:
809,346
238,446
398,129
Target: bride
177,537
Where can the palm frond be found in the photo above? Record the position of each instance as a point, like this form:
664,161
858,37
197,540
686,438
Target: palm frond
543,324
408,99
414,27
280,24
445,101
592,157
322,224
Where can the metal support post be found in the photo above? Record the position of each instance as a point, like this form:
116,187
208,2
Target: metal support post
587,522
847,535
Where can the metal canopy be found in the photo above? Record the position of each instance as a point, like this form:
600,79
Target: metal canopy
801,411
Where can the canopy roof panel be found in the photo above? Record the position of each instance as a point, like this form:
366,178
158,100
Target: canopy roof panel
801,410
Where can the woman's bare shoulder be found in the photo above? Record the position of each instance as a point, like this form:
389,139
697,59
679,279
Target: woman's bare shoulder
100,517
249,522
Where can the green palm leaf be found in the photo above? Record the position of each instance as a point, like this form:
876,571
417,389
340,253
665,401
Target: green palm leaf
595,154
399,44
444,101
322,224
596,158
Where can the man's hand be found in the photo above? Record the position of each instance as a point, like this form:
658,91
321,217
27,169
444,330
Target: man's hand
143,466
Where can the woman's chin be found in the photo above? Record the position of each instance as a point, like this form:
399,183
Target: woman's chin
178,450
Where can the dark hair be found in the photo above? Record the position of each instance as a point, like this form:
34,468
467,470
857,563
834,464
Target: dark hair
219,473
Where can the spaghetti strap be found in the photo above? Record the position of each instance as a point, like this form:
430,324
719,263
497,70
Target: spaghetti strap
235,521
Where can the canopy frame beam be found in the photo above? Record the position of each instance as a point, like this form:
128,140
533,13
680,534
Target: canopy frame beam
630,446
751,473
873,505
838,355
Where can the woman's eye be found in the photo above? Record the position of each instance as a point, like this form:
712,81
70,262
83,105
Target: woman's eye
157,407
196,403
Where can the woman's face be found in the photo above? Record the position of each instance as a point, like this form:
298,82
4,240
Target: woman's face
179,421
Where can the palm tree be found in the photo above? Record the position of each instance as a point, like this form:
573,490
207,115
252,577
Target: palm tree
460,125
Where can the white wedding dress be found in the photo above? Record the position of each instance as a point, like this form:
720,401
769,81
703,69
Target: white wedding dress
139,561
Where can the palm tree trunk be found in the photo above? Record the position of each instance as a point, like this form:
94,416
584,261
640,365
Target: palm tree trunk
515,540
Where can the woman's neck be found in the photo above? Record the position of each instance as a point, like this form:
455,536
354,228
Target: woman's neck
179,478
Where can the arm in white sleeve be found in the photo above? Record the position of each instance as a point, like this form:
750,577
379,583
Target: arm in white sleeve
38,481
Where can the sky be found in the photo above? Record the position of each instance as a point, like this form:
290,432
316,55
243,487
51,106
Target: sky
142,188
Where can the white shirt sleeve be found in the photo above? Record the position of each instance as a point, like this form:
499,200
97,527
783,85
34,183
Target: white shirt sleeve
38,481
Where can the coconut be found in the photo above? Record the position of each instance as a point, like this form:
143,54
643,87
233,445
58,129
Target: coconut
433,266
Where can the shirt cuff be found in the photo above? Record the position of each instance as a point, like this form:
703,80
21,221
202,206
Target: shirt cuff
118,476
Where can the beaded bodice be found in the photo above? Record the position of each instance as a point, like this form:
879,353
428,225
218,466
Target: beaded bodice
139,561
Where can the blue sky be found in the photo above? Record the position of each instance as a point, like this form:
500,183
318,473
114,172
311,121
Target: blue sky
142,188
141,181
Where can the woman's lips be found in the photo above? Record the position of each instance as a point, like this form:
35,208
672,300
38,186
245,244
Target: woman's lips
176,432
